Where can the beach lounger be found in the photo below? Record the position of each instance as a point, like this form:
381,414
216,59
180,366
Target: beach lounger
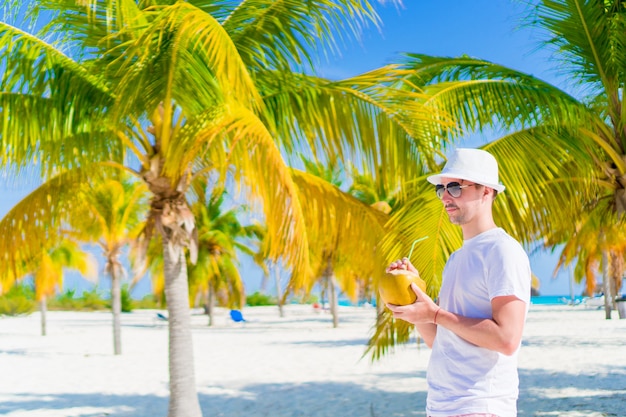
237,316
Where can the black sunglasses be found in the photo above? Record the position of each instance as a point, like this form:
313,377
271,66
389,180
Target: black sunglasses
454,189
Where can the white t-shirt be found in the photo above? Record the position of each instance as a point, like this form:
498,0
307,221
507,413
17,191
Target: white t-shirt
462,377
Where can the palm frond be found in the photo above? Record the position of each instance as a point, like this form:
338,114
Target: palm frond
583,39
91,28
32,224
111,211
479,94
260,167
279,34
37,220
388,333
371,117
49,105
199,63
35,137
421,214
48,268
47,277
587,40
340,225
70,255
37,67
549,177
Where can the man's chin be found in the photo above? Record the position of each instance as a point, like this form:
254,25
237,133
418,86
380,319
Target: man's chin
458,220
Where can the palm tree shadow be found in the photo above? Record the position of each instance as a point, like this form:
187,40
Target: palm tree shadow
329,343
85,405
546,393
315,399
562,393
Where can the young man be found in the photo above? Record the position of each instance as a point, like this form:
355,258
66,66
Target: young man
475,330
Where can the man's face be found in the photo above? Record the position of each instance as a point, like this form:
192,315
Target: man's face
469,200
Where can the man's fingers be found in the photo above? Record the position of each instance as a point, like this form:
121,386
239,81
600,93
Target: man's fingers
392,307
396,310
417,290
400,264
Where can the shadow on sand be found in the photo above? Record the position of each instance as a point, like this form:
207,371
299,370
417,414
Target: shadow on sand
272,400
542,394
564,394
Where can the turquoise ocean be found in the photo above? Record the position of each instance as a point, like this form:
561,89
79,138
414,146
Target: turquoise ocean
556,299
540,299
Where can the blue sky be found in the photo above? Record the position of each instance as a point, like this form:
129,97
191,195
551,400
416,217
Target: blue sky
487,29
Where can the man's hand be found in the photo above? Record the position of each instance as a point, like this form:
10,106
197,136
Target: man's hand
402,264
422,311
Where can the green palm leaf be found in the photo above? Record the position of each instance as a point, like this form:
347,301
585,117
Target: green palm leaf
199,61
480,94
346,228
307,109
278,34
63,102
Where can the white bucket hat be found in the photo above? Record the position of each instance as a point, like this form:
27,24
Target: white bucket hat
473,165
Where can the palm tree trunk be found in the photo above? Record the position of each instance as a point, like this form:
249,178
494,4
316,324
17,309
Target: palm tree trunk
183,393
278,291
334,303
43,309
264,280
116,308
606,285
210,304
332,292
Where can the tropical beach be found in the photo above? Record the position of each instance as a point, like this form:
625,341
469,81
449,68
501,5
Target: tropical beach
571,364
162,141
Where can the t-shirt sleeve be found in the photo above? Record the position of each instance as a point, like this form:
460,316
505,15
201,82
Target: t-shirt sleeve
509,271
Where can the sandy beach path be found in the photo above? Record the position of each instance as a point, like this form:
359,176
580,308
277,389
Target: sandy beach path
572,363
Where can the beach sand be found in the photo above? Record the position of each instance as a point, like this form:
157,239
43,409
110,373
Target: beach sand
572,363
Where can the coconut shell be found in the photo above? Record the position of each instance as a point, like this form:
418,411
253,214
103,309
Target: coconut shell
395,287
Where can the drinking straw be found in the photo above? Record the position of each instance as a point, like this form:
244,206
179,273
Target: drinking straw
413,245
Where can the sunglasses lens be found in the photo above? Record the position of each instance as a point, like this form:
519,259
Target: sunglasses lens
454,188
440,189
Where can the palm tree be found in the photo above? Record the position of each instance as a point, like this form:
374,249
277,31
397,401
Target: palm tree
52,250
373,191
593,252
220,236
110,215
280,299
346,230
376,192
175,91
562,157
47,271
326,260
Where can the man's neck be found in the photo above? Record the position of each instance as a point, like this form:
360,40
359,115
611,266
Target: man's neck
473,229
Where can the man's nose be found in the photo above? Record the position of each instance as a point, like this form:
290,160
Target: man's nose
446,196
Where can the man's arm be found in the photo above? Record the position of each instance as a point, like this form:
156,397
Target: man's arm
501,333
427,332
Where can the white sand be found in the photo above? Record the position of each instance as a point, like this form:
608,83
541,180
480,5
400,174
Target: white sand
572,363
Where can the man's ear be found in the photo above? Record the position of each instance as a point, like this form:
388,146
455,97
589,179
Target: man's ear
487,191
